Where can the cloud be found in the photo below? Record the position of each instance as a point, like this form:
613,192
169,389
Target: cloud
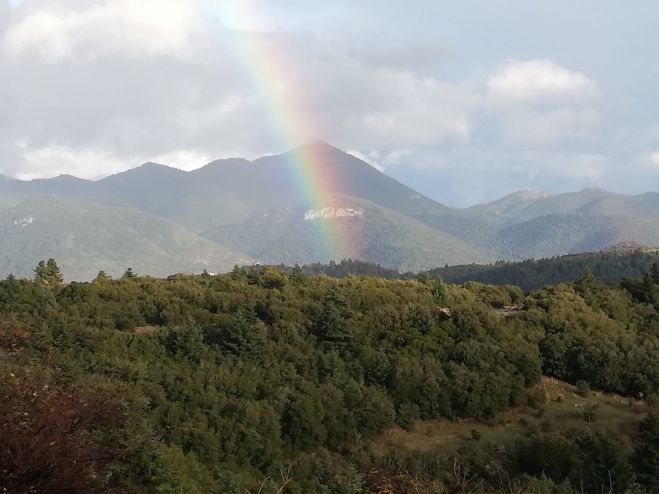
539,104
94,164
371,158
532,80
56,160
648,160
94,87
550,129
591,167
61,30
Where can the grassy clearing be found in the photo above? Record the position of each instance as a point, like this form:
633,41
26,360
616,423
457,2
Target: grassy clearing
563,410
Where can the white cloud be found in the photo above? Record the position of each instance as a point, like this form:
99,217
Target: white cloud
654,158
371,158
64,29
92,87
539,104
648,160
55,160
394,109
94,164
553,128
537,79
591,167
185,159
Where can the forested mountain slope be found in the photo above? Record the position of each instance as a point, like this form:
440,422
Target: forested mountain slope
230,200
260,381
88,237
609,266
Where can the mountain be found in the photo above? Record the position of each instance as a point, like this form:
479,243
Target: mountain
232,201
532,224
527,205
363,230
557,234
85,238
261,210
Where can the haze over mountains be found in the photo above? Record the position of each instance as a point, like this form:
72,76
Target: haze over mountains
232,211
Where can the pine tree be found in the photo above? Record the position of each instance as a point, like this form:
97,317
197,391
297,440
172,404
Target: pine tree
654,273
646,452
41,272
129,274
54,273
48,272
297,275
102,276
585,280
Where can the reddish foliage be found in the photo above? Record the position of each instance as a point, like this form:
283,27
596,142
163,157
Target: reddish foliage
50,439
12,336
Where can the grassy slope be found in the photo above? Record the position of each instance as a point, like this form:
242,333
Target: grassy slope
563,410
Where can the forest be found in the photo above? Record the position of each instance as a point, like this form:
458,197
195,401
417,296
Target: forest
609,265
280,381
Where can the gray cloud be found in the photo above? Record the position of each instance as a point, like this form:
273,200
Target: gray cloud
93,87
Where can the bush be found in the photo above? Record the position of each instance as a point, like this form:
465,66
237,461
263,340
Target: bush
582,388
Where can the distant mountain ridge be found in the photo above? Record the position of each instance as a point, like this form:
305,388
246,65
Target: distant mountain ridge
255,210
86,238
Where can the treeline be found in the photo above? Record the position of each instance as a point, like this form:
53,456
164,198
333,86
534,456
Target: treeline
609,266
347,267
262,380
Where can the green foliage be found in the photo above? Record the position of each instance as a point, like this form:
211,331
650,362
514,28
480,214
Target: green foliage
608,266
646,452
48,273
232,379
129,274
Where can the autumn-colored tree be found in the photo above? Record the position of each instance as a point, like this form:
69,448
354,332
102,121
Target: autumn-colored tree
52,439
12,336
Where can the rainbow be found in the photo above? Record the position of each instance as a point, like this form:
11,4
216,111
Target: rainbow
311,172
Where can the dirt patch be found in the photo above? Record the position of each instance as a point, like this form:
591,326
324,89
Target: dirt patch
145,329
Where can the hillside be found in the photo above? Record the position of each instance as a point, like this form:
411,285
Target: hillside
86,238
610,266
527,205
232,202
558,234
359,228
261,381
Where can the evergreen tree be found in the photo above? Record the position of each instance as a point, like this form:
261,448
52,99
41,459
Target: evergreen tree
48,272
654,272
297,275
646,452
129,274
53,272
585,281
102,275
41,272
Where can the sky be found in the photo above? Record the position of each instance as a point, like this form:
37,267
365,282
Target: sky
464,101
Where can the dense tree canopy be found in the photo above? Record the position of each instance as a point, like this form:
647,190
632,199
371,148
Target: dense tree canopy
220,382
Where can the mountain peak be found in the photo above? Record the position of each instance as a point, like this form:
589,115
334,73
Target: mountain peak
319,146
594,190
152,165
530,194
66,177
